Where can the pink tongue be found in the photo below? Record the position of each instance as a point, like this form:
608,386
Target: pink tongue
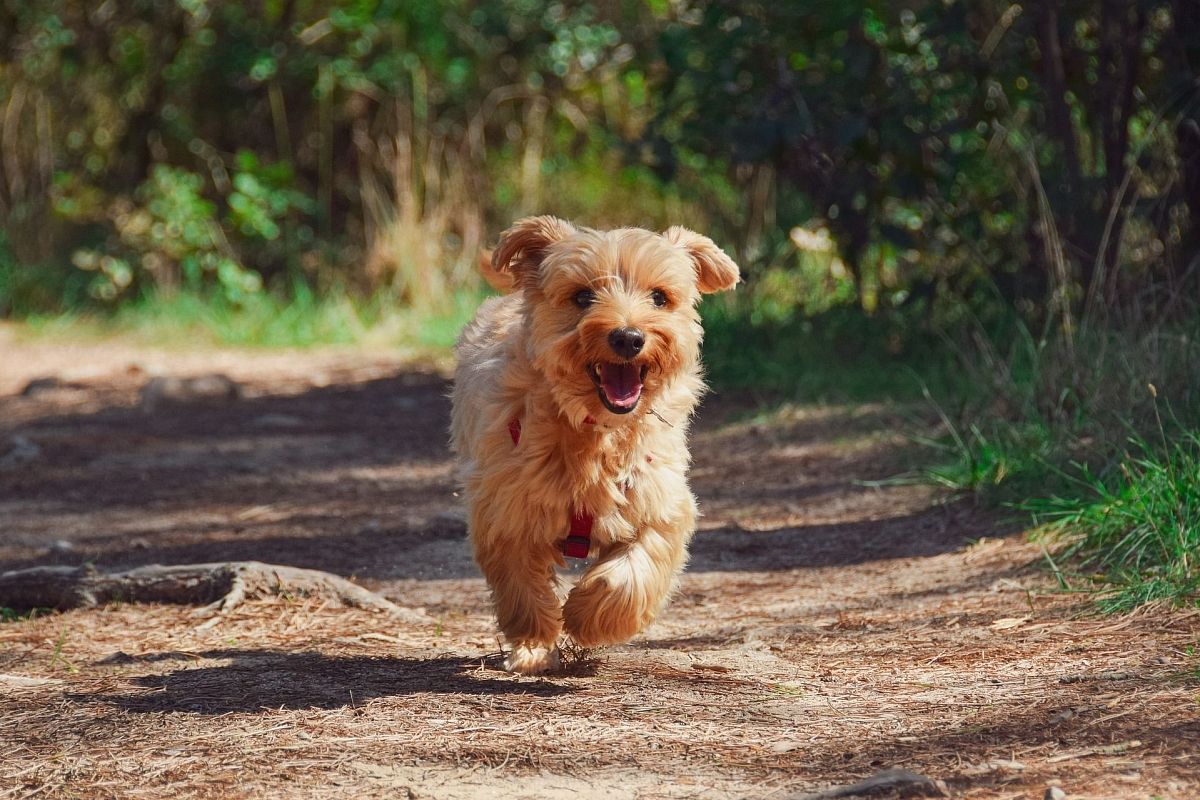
622,383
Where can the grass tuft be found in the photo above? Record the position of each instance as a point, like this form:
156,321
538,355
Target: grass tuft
1137,529
999,461
13,615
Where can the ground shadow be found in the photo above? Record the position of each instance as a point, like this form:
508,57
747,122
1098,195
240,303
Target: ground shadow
356,479
919,534
960,753
267,679
121,456
439,550
434,551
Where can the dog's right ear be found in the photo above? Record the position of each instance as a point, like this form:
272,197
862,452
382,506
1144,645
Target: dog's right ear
715,271
523,246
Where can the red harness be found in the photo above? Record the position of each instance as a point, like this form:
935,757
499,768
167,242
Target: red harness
579,538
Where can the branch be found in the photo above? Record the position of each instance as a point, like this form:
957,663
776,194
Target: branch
219,587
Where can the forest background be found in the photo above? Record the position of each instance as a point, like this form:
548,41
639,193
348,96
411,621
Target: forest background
988,209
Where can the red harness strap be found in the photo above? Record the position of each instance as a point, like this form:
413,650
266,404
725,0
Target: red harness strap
579,538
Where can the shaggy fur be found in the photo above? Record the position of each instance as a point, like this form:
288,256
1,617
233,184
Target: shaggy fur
545,356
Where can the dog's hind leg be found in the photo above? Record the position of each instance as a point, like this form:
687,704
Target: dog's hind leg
623,592
527,607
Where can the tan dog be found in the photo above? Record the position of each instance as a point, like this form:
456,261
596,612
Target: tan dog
572,399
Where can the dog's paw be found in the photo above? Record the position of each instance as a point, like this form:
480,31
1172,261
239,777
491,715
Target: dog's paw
596,615
532,660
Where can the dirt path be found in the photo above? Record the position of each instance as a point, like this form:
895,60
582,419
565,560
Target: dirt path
826,630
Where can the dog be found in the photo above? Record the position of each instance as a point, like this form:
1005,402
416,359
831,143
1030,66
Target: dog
571,403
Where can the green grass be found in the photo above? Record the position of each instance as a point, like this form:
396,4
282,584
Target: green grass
838,355
13,615
998,462
1135,531
270,320
58,658
1050,437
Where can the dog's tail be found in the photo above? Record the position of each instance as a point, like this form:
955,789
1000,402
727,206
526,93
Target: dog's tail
500,281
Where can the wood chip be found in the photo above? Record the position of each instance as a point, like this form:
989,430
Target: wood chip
1008,623
1108,750
24,682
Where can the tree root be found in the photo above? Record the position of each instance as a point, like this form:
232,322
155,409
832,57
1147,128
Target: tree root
219,587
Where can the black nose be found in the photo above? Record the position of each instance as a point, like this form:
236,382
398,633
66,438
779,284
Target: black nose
626,342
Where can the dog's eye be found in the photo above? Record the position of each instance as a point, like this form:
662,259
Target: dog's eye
584,298
658,297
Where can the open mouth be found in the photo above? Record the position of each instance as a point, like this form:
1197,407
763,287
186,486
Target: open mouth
618,384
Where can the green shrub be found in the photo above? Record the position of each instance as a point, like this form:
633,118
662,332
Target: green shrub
169,238
837,355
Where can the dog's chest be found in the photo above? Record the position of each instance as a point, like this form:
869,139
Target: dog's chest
618,480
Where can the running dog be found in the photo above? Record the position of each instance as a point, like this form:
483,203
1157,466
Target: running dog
572,400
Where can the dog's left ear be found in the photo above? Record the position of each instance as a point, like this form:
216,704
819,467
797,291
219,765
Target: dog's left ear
715,271
523,246
502,282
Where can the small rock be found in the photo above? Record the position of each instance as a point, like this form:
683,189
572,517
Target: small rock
1062,716
1054,793
116,659
202,388
39,385
897,780
53,385
61,547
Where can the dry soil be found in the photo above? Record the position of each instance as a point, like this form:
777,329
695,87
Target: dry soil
831,624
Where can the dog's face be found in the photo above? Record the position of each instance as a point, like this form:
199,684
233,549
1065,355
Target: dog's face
611,315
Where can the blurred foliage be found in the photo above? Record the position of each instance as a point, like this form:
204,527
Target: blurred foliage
952,144
923,155
989,202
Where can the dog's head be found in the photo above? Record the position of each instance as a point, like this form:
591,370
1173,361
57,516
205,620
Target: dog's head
611,315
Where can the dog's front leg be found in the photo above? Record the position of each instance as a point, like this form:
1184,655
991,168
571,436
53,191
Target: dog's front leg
528,610
623,592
